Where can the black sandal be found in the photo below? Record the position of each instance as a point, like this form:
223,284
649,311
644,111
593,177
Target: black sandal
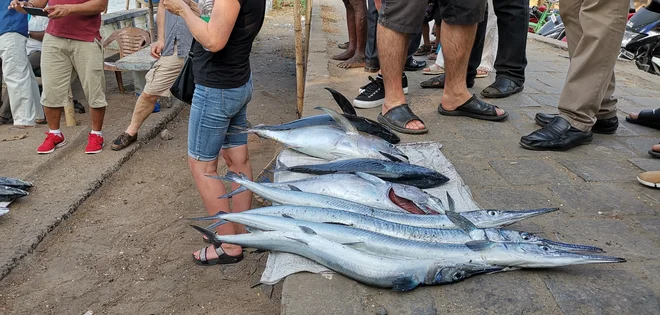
398,117
223,258
475,108
439,83
648,118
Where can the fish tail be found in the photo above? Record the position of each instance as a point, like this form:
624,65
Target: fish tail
217,216
233,193
209,235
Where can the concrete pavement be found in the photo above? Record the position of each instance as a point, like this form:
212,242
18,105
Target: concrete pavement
594,185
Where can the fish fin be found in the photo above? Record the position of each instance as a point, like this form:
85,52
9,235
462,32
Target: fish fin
307,230
404,284
216,216
297,240
236,191
450,202
370,178
287,216
209,234
391,157
344,123
294,188
343,102
460,221
479,245
352,243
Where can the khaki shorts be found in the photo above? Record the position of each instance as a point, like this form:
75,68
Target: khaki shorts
60,57
163,74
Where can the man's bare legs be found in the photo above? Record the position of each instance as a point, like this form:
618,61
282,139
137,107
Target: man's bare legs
54,114
143,108
392,60
210,189
457,41
356,18
425,34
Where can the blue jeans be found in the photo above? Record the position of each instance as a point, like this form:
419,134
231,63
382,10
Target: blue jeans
217,116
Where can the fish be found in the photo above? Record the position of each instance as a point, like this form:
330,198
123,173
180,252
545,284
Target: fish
483,252
14,182
10,193
362,124
379,226
378,271
333,143
3,211
294,196
391,171
365,189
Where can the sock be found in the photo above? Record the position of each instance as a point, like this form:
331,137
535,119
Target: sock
57,132
379,76
98,133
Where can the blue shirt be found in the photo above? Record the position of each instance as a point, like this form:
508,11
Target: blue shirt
12,20
176,29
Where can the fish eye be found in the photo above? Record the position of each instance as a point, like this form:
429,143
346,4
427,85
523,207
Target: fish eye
525,236
492,212
545,248
458,275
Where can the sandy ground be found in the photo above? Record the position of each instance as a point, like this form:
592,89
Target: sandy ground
127,249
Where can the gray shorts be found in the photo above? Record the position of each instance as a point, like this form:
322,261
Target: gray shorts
403,16
462,12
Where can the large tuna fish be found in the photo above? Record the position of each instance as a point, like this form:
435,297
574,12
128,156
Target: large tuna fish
14,182
10,193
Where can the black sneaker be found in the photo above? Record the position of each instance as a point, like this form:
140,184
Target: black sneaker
373,94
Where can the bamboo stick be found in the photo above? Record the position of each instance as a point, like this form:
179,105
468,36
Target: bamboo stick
300,80
128,4
69,113
308,23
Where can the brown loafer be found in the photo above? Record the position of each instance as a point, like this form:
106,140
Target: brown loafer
123,141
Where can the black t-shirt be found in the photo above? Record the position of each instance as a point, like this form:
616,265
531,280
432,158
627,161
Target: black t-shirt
230,67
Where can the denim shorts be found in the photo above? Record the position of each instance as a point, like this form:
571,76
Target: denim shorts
216,118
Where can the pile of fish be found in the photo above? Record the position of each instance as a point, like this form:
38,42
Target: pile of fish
365,214
10,190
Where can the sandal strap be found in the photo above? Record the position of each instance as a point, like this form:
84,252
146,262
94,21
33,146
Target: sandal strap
401,115
477,106
202,254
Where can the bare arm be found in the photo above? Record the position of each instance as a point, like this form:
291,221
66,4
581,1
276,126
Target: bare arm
160,22
38,35
214,34
91,7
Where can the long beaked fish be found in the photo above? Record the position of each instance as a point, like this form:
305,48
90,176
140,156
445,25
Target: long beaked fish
392,171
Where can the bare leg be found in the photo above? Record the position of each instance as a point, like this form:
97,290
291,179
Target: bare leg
457,41
209,188
360,17
350,22
53,116
391,61
97,118
425,34
143,108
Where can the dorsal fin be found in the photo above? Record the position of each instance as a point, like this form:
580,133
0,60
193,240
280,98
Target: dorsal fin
391,157
344,123
450,202
343,102
294,188
307,230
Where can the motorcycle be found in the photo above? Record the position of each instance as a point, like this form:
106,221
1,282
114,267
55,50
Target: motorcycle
554,28
641,40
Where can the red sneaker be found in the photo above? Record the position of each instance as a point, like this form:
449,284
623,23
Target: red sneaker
94,144
52,141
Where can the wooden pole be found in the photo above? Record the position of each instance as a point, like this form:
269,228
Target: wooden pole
300,76
308,22
152,29
128,4
69,113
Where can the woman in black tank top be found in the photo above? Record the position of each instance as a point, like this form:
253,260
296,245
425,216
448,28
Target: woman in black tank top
223,88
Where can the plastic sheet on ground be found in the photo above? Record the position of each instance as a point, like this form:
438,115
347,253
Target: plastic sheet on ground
428,154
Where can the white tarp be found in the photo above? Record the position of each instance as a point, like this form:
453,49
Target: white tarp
280,265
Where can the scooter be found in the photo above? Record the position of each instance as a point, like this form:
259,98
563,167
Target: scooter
554,28
642,30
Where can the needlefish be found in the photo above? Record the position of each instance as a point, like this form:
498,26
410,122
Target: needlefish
294,196
378,271
362,124
391,171
265,220
509,254
365,189
332,143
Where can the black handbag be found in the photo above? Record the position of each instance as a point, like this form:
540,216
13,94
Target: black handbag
184,86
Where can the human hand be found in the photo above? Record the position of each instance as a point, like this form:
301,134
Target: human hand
175,6
58,11
18,6
157,49
378,4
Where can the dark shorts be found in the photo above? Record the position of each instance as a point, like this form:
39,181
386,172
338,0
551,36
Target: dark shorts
462,12
403,16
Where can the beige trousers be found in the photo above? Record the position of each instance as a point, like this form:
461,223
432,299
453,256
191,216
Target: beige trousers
594,30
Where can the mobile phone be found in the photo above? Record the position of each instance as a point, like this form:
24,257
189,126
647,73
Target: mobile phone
35,11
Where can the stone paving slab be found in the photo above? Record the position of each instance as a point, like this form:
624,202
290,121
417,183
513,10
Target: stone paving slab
601,203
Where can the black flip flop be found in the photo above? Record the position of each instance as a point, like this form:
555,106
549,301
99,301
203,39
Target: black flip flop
398,117
648,118
475,108
223,258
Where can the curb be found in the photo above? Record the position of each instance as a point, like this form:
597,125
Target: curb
21,250
549,41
